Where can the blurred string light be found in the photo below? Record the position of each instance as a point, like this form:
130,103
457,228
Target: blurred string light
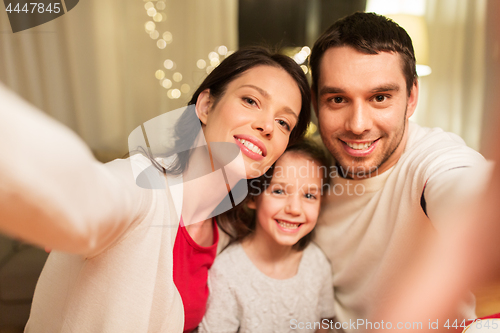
169,78
214,58
300,55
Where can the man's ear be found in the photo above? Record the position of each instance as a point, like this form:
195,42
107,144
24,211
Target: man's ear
412,100
251,203
203,105
314,102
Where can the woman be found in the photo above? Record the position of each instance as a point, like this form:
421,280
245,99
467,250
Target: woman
111,268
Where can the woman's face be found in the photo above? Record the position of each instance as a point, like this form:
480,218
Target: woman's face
257,112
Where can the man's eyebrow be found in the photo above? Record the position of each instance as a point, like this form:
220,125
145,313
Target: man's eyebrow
260,90
384,88
330,90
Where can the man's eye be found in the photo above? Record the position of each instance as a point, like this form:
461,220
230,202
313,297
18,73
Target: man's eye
337,100
283,123
380,98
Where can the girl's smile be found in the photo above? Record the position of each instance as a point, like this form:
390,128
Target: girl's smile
288,209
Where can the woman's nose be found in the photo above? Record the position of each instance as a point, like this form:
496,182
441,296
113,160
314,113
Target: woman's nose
265,125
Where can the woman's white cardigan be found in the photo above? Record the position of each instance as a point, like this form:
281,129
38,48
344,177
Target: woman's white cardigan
111,265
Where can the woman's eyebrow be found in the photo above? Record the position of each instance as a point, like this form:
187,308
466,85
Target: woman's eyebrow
260,90
290,112
266,95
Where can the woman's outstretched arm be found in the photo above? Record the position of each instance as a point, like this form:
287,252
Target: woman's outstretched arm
53,192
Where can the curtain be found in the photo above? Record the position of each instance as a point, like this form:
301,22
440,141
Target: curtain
452,97
93,69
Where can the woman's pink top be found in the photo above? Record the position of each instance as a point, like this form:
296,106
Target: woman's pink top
191,264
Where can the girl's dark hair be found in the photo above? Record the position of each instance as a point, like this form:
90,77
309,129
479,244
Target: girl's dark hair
240,222
217,81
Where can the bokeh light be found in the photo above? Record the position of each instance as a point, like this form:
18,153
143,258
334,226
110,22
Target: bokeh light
160,5
222,50
149,26
166,83
158,17
151,12
214,62
213,55
154,34
167,36
159,74
161,44
177,77
168,64
201,63
185,88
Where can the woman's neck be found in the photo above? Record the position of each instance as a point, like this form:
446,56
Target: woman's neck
274,260
203,189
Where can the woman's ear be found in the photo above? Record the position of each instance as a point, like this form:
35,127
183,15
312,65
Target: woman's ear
203,105
251,203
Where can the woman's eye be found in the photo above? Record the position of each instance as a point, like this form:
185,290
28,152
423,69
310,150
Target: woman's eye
283,124
250,101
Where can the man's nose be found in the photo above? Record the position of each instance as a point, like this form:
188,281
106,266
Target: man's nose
359,119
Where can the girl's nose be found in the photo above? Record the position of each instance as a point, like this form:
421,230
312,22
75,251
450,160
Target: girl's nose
293,205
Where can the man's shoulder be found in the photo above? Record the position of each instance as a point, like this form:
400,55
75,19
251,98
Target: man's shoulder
434,143
430,151
419,135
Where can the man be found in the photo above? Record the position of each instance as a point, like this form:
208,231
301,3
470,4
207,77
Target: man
396,180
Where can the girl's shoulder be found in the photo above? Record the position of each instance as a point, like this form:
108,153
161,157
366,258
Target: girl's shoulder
231,256
315,260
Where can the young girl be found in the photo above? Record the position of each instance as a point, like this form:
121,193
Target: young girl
273,279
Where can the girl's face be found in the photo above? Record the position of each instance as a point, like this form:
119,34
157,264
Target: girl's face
257,112
288,209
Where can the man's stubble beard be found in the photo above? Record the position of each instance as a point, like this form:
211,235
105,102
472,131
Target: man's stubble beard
348,171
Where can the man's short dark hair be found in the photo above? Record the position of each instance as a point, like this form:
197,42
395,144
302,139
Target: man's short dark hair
367,33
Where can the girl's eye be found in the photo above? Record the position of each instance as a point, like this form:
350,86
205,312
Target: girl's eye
278,191
250,101
283,124
310,196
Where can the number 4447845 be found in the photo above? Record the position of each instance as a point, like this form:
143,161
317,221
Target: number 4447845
35,8
477,322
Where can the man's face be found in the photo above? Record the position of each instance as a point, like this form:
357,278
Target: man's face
363,108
